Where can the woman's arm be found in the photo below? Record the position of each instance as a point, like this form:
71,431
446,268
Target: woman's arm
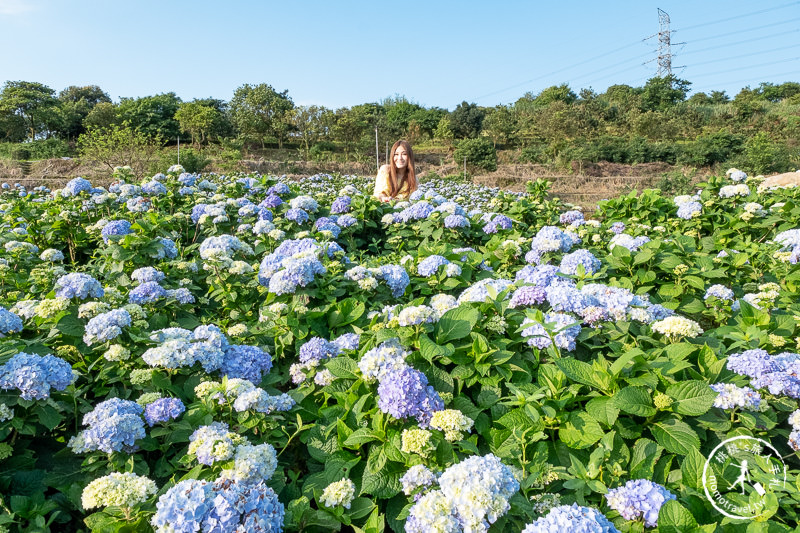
382,189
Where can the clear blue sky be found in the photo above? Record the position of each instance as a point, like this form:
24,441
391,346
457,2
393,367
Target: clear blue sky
436,53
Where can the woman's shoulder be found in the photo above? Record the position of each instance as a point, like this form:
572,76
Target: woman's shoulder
384,169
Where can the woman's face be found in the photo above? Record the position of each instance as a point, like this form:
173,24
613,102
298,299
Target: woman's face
400,158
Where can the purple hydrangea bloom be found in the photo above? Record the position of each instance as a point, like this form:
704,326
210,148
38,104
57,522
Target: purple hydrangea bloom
498,222
405,393
752,363
526,296
279,188
345,221
317,349
77,285
341,205
271,202
570,217
639,499
348,341
106,326
417,211
564,333
326,224
539,275
246,362
617,227
163,410
34,375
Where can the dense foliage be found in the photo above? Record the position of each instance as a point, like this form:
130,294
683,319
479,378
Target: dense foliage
210,352
758,128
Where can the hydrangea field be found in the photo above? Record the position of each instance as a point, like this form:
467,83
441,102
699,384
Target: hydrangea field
241,353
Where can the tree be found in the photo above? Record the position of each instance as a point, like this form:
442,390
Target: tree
259,111
101,116
556,93
428,119
500,125
308,122
152,115
223,125
466,120
119,146
661,93
399,112
443,132
12,127
32,101
351,125
776,93
76,104
197,119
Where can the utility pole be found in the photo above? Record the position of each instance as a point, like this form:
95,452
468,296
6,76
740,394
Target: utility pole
377,157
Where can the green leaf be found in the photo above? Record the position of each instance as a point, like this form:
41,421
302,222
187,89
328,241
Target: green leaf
382,484
456,324
643,458
634,401
360,507
624,359
362,436
603,410
692,469
580,431
48,416
673,517
692,397
675,435
343,367
577,371
70,325
432,351
101,522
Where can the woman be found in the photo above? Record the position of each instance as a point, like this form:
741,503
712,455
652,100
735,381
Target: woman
398,179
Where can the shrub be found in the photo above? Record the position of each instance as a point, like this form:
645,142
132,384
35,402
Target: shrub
480,153
322,151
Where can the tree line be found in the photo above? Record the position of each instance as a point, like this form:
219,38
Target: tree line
658,121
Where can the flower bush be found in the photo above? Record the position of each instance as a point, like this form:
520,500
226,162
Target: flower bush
245,352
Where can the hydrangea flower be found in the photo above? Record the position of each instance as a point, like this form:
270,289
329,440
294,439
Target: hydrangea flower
677,326
118,489
405,393
147,292
78,285
478,292
9,322
395,277
163,410
690,210
415,315
106,326
115,229
452,422
52,255
417,477
570,262
246,362
114,425
341,205
76,186
433,512
252,463
573,518
214,443
196,505
387,357
417,440
720,292
565,332
429,266
296,215
34,375
145,274
339,492
456,221
730,397
639,499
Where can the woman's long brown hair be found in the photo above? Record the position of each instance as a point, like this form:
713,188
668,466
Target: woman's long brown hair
410,179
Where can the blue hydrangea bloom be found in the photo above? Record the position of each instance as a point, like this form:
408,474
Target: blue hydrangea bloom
145,274
430,265
114,425
34,375
279,188
115,229
570,262
526,296
76,186
572,518
182,508
564,333
395,277
348,341
326,224
296,215
246,362
9,322
146,293
345,221
417,211
498,222
570,217
106,326
270,202
167,249
78,285
456,221
163,410
154,188
183,295
689,210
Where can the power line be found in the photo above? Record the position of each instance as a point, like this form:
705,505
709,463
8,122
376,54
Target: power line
744,55
727,34
728,45
738,16
743,80
739,68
